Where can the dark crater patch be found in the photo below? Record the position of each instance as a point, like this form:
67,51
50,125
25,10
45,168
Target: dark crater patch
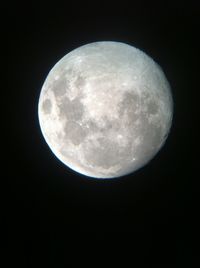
152,107
149,101
146,94
69,72
47,106
129,104
79,82
92,126
109,125
72,110
74,132
60,87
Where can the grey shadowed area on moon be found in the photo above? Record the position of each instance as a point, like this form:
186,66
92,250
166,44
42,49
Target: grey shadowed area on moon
105,109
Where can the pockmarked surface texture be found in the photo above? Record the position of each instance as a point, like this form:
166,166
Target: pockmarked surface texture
105,109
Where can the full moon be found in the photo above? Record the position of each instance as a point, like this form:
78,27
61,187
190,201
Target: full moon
105,109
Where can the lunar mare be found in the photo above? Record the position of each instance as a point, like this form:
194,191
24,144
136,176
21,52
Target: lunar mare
105,109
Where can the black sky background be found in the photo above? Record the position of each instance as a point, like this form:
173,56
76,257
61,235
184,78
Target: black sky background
54,216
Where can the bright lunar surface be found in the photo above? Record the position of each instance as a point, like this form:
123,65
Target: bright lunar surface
105,109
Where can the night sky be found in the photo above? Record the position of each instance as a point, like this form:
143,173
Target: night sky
57,218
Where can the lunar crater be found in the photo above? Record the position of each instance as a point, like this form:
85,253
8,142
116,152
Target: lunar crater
74,132
47,106
59,87
71,110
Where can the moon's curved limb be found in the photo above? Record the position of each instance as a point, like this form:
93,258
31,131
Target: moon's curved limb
105,109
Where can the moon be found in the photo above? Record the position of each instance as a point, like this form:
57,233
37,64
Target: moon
105,109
